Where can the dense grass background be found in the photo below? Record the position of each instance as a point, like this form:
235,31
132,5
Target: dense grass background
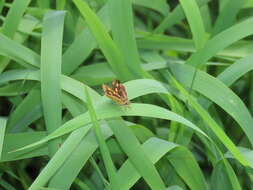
186,66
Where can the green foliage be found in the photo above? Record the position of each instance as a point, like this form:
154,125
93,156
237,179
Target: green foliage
186,67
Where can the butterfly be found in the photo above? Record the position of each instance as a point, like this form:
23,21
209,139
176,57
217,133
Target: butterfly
117,93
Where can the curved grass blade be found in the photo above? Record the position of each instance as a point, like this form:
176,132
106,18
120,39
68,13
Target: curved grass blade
2,134
136,154
78,51
193,16
13,141
58,159
229,179
236,70
159,149
26,112
186,166
214,126
219,93
227,16
51,53
14,16
221,41
164,42
11,24
175,17
110,168
77,160
19,53
108,47
16,89
77,136
2,5
107,110
121,19
160,6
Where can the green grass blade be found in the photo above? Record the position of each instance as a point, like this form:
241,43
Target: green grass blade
164,42
47,188
159,149
218,93
221,41
227,16
136,154
14,16
110,168
76,88
26,112
175,17
6,185
58,159
108,47
193,16
160,5
60,4
19,53
16,140
2,5
73,165
121,19
2,134
66,178
187,168
45,4
11,24
51,53
214,126
106,111
16,88
78,51
236,70
224,180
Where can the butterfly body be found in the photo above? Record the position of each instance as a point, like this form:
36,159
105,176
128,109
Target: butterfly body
117,93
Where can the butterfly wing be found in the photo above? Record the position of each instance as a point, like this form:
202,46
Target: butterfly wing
112,94
116,93
115,85
120,89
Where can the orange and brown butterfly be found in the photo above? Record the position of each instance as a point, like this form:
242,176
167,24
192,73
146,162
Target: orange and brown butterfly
117,93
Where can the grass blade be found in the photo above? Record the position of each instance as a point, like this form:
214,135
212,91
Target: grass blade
26,112
218,93
106,111
14,16
51,53
121,19
11,24
108,47
193,16
221,41
78,51
111,171
227,16
58,159
79,157
175,17
136,155
214,126
2,134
